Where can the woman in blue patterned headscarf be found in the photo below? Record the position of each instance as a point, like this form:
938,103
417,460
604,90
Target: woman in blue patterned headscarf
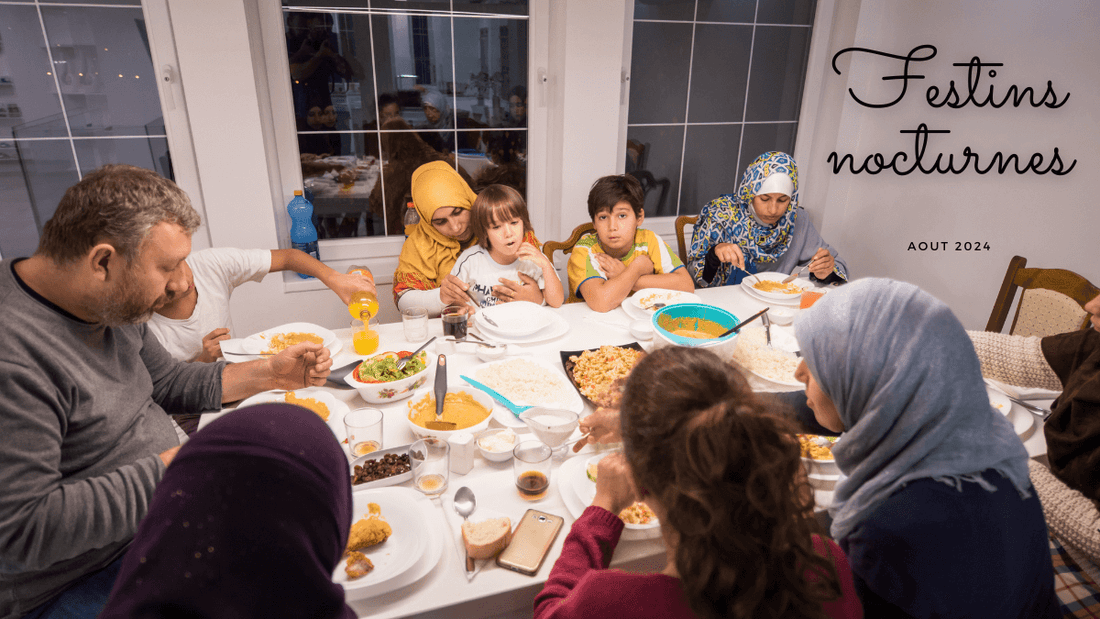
760,228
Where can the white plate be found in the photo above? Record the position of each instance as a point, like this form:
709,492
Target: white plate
557,328
782,339
633,308
516,319
776,277
999,401
571,400
570,475
336,408
792,303
257,343
385,481
1022,422
411,551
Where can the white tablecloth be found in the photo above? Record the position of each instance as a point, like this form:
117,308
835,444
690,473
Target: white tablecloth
496,592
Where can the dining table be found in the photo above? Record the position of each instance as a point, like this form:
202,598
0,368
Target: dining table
494,592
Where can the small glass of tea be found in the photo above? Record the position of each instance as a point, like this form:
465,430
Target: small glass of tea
364,426
454,321
431,465
531,465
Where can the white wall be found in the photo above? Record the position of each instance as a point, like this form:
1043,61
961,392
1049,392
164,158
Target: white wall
1048,219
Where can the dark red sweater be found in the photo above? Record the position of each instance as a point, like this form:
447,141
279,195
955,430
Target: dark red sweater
580,585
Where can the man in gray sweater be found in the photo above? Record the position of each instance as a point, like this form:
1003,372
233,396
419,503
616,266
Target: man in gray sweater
86,388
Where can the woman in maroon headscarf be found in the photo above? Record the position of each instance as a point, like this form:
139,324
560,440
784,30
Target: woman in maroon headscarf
250,520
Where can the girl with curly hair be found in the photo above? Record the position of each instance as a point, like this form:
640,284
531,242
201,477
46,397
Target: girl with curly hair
736,511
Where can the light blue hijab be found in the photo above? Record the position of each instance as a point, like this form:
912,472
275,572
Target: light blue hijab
908,387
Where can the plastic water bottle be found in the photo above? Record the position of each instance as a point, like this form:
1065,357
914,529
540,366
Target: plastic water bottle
303,235
411,217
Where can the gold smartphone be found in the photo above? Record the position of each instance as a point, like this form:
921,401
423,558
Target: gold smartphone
532,540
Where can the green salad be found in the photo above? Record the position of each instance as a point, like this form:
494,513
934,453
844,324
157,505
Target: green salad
383,368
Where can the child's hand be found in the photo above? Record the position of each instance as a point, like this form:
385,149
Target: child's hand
527,289
211,345
611,266
528,251
643,262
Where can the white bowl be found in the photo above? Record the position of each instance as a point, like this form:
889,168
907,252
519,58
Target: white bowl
497,456
486,353
781,315
642,329
480,396
382,393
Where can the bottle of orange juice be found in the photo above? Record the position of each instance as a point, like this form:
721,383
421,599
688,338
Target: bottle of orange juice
364,306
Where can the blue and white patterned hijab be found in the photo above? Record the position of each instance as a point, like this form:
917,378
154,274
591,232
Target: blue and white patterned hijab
908,387
761,243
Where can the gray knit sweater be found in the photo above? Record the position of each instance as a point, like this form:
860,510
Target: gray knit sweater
82,420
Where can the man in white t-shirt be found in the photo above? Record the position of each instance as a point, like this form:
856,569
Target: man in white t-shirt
191,327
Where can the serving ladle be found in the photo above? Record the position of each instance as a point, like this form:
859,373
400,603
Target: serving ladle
465,504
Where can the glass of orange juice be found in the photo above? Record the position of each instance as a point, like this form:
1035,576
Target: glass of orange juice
364,339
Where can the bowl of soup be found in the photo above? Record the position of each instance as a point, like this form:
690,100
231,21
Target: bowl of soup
468,408
695,325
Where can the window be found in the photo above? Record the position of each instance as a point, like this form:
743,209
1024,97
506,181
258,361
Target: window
714,83
77,91
379,91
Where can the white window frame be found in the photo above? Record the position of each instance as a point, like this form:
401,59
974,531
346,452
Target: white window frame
380,253
812,91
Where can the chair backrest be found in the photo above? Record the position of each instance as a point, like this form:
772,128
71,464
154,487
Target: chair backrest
681,241
566,246
1052,300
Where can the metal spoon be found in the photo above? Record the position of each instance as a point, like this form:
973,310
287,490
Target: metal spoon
403,360
465,504
794,275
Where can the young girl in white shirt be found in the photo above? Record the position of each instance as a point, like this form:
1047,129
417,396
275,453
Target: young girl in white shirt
506,264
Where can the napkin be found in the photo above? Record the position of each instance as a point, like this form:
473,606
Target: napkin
454,521
1023,393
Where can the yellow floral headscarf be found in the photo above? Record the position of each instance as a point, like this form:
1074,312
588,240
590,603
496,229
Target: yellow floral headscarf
428,255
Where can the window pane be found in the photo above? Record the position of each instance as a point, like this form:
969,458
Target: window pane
778,73
340,184
741,11
653,157
132,2
413,62
33,184
26,80
720,71
680,10
412,5
330,65
659,72
760,139
709,154
504,163
143,153
787,12
104,67
505,7
491,71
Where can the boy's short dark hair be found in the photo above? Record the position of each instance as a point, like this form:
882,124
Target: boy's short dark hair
608,191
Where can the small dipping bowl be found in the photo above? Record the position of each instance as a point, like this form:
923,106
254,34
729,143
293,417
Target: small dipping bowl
642,329
552,426
486,353
781,315
499,449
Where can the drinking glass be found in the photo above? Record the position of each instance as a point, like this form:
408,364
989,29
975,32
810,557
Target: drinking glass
415,322
531,466
431,465
364,426
454,322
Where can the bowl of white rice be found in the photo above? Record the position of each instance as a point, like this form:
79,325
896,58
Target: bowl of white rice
774,366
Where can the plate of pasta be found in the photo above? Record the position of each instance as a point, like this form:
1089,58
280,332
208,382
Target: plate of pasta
275,340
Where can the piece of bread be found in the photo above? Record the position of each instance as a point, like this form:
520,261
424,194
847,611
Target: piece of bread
484,540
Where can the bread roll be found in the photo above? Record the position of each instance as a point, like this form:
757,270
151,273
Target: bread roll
484,540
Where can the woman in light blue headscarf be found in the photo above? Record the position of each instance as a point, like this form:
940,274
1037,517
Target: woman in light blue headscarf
935,508
440,121
760,228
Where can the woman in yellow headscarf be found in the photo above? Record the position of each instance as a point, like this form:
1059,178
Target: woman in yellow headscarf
443,200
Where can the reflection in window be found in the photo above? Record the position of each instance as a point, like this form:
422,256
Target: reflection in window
77,91
379,92
713,85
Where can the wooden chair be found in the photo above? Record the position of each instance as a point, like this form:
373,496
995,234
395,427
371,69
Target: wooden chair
1052,300
681,243
566,246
